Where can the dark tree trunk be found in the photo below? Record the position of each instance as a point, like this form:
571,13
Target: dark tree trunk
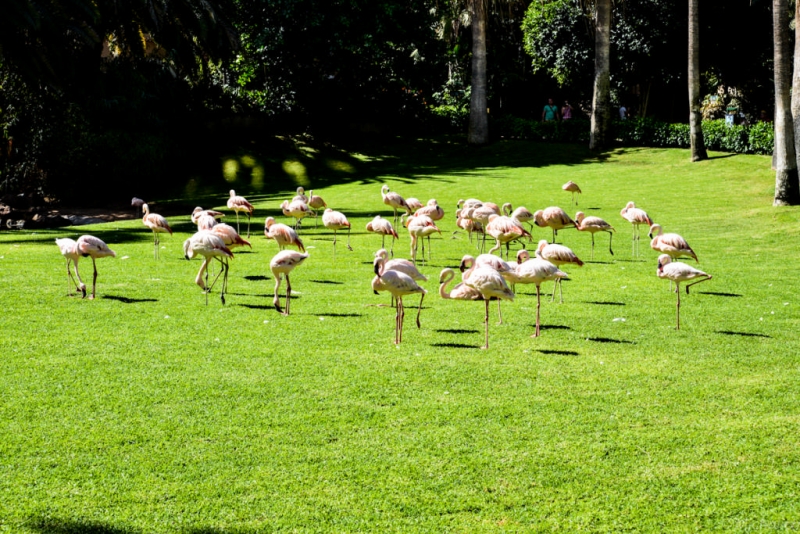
795,104
787,187
478,116
695,115
601,101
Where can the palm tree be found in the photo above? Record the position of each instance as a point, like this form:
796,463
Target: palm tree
601,101
795,104
478,116
695,116
787,186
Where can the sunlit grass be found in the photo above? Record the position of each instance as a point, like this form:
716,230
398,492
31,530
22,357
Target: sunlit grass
148,411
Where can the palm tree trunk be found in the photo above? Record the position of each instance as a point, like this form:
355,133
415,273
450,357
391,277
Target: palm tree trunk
787,187
795,104
478,116
695,116
601,101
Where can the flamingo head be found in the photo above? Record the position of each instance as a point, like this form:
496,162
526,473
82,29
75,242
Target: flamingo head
82,289
188,253
654,229
377,266
523,256
466,263
663,260
579,217
538,218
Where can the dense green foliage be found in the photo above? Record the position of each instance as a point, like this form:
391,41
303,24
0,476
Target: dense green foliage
146,411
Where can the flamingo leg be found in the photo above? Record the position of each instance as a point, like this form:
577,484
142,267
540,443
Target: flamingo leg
288,293
392,251
538,305
348,240
383,241
486,325
610,237
678,309
276,301
697,282
94,279
397,321
419,310
554,235
334,245
593,246
499,312
248,226
225,267
237,221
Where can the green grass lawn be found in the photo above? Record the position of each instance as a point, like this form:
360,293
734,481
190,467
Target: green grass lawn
146,411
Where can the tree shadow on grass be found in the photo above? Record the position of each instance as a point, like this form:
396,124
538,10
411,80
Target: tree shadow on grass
69,526
127,300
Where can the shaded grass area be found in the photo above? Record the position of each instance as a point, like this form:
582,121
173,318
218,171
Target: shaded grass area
148,411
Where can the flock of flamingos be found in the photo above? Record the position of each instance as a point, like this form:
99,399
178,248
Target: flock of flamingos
485,277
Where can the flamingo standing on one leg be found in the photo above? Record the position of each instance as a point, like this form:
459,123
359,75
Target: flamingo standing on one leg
284,263
381,226
282,234
68,249
672,245
315,202
635,216
558,255
573,188
240,204
594,225
209,245
555,218
535,271
398,284
336,220
394,201
490,284
157,224
88,245
679,272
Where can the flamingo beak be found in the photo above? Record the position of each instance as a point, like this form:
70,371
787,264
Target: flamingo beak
461,267
375,292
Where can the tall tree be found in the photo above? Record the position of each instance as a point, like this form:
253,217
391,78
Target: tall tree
787,186
795,104
601,99
695,115
478,116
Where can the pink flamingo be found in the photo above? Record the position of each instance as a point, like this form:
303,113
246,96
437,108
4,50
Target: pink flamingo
230,236
635,216
157,224
555,218
480,213
301,196
573,188
88,245
558,255
402,265
284,263
240,204
461,291
381,226
432,210
398,284
679,272
420,227
522,256
469,265
296,209
521,214
394,201
200,212
413,203
594,225
205,222
68,249
673,245
315,202
336,220
490,284
504,230
209,245
468,225
282,234
535,271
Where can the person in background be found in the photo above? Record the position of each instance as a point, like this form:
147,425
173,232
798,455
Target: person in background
566,111
623,112
550,112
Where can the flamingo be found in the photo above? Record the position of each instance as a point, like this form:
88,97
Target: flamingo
535,271
315,202
635,216
137,205
679,272
521,214
282,264
394,201
157,224
237,204
490,284
468,225
296,209
481,213
402,265
398,284
573,188
205,221
282,234
230,236
421,226
200,212
505,230
469,203
335,220
672,245
301,196
555,218
558,255
413,203
381,226
88,245
461,291
209,245
469,265
594,225
68,249
522,256
431,209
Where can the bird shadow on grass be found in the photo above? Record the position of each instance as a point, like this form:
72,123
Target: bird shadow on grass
454,345
552,327
719,294
456,331
604,303
559,352
255,295
68,526
334,314
127,300
332,282
608,340
599,262
257,278
744,334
